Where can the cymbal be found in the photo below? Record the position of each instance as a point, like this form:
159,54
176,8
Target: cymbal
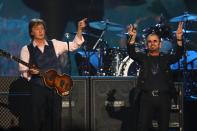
86,34
106,25
187,31
185,17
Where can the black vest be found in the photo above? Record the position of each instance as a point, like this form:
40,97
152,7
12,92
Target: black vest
46,60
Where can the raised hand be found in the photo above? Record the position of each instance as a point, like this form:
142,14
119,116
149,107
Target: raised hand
82,24
132,32
179,31
179,34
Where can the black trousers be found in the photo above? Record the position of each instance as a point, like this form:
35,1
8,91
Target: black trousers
151,105
46,107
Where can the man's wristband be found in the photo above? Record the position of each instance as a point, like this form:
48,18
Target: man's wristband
179,39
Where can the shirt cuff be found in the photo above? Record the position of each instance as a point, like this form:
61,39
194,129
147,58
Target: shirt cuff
25,75
78,41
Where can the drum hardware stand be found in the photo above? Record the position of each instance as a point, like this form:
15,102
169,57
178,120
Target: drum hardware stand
87,70
185,70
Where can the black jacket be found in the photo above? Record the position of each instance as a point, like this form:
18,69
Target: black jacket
165,61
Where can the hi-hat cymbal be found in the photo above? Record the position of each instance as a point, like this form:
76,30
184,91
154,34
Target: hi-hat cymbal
106,25
86,34
187,31
185,17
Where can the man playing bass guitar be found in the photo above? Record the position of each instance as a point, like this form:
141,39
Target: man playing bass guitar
43,54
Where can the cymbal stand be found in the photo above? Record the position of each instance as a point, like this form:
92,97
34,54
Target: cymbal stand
100,52
86,71
185,70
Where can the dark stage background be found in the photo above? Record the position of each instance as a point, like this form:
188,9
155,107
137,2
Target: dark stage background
61,17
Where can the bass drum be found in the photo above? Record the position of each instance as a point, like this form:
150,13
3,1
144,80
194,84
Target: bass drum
128,67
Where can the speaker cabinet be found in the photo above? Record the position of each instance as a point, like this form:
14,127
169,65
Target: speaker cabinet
176,115
178,108
74,117
111,109
95,103
121,115
15,106
75,108
7,119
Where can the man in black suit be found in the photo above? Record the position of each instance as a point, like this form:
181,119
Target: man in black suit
155,80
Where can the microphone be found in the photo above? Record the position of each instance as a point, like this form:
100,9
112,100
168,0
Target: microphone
67,35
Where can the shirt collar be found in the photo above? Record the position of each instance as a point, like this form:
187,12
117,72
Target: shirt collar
35,44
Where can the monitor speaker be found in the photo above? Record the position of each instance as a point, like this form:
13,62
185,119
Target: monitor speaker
75,107
14,105
7,118
112,107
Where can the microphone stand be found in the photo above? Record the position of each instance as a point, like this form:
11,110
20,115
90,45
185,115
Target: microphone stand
68,53
69,73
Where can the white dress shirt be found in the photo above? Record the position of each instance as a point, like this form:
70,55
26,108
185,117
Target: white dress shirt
59,46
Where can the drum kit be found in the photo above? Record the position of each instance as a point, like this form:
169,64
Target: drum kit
116,62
